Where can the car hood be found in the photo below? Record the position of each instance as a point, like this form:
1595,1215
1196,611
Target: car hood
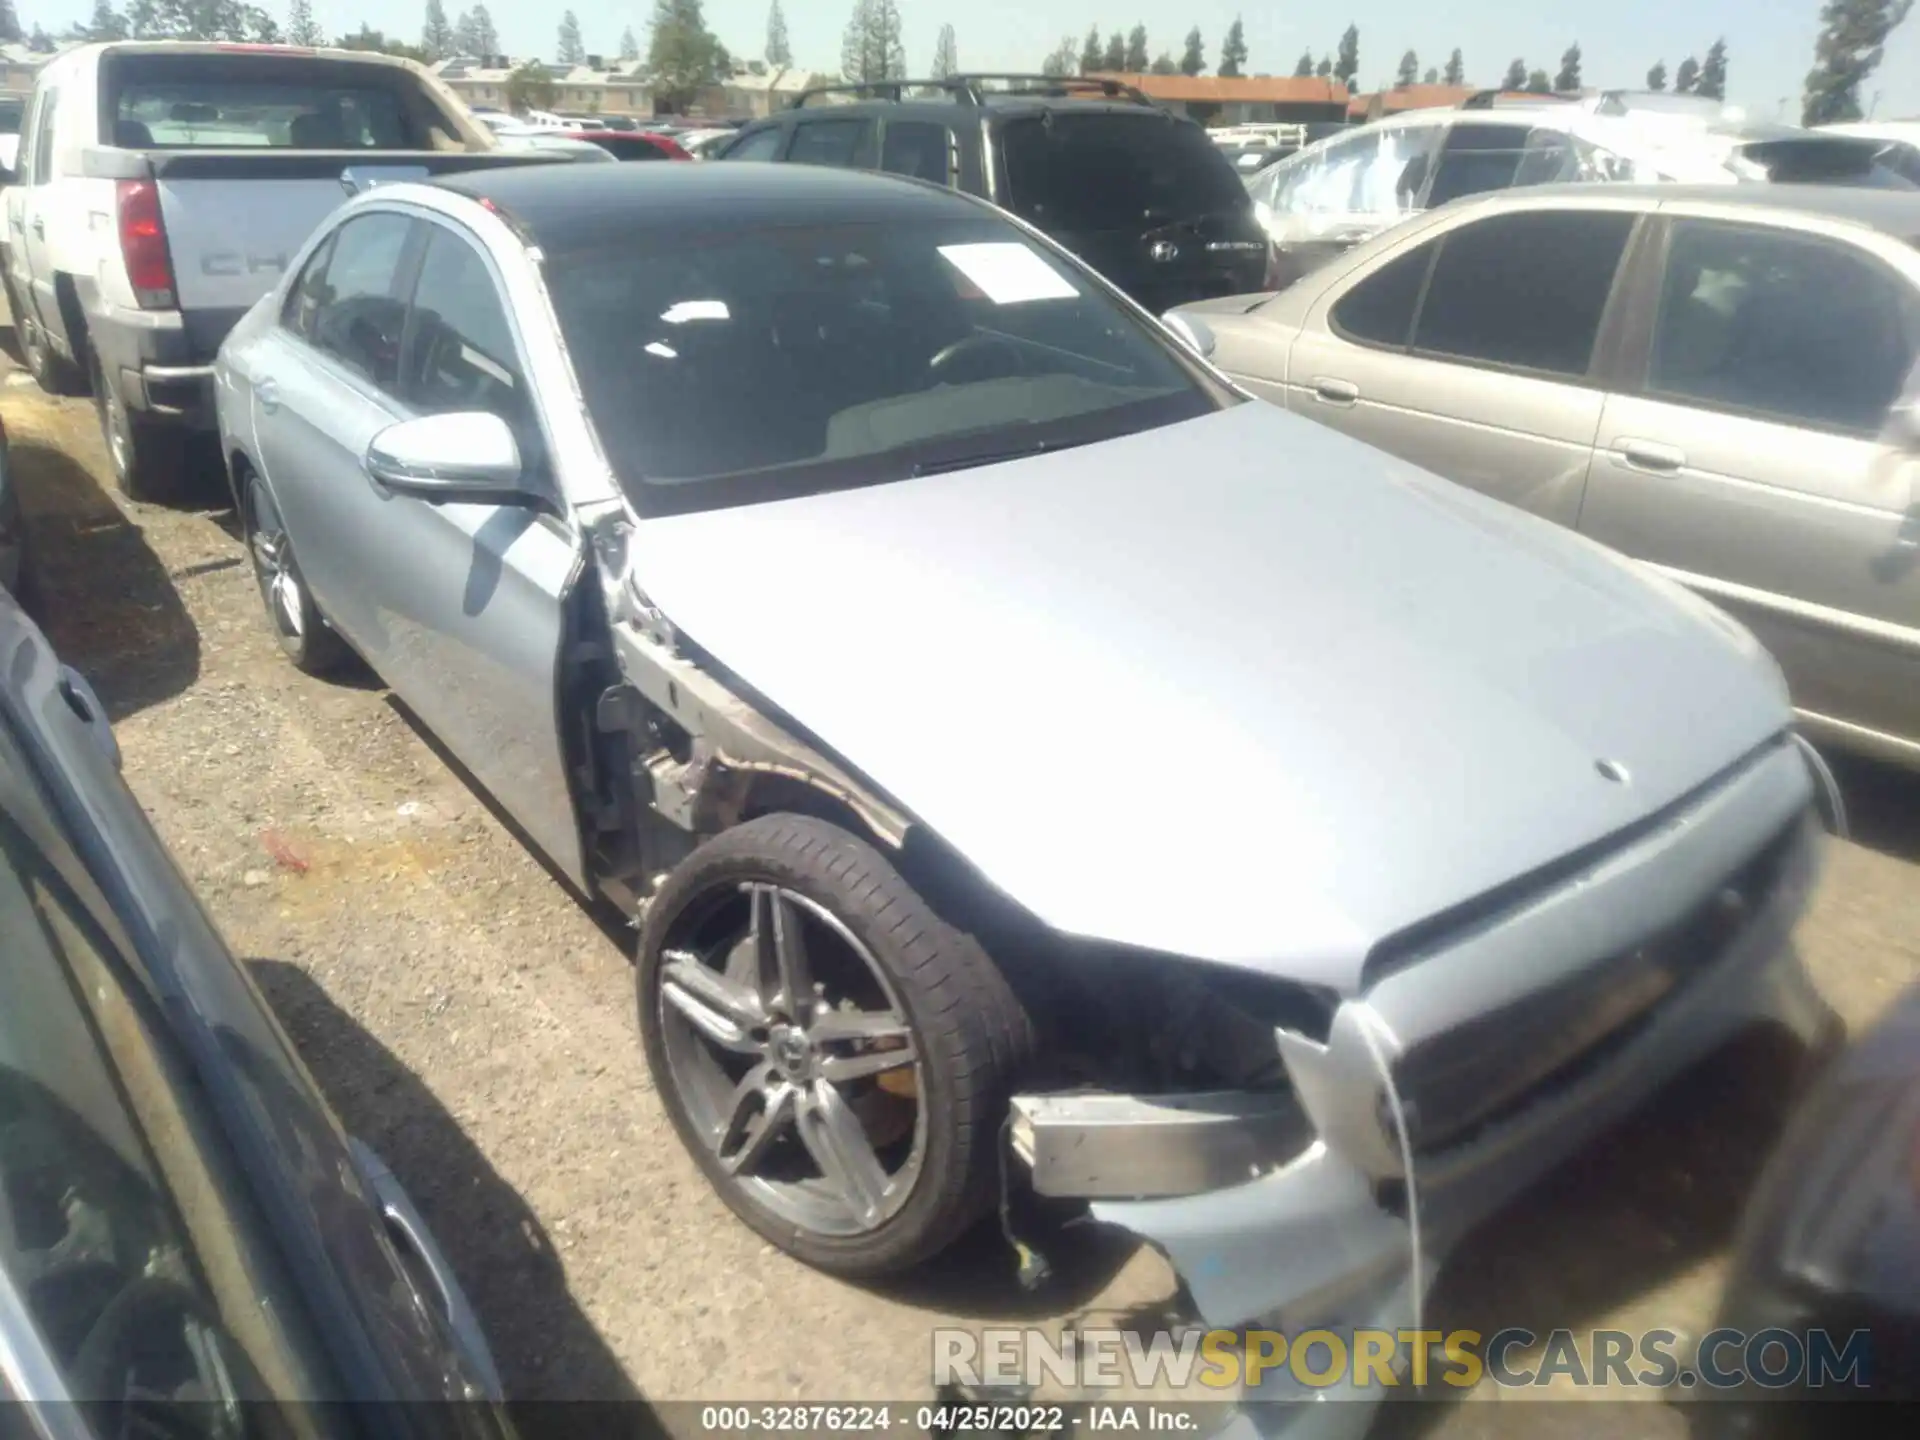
1240,688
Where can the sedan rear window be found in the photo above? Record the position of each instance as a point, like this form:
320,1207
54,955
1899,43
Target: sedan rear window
738,366
1107,171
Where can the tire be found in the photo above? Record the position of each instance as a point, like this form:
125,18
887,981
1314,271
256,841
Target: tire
302,631
969,1042
51,371
149,458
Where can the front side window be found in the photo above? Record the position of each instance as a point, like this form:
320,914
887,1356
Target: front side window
1477,158
845,143
1376,172
918,148
732,366
1114,171
303,299
1793,326
461,354
358,319
759,145
1525,290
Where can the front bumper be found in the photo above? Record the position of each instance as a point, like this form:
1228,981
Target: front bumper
1330,1231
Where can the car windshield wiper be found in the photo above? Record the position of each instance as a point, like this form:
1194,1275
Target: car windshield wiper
971,458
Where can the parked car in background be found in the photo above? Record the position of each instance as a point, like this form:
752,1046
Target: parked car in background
164,187
1332,195
186,1231
1830,1243
705,144
1720,382
1137,193
681,513
554,145
1900,141
637,146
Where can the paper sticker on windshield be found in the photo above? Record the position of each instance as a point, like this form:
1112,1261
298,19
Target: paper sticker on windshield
1007,272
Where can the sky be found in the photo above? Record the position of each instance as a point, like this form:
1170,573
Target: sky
1769,46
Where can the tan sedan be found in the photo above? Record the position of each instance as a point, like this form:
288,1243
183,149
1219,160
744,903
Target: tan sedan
1719,381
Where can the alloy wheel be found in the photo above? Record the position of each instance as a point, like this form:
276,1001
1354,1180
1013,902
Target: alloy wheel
794,1058
273,567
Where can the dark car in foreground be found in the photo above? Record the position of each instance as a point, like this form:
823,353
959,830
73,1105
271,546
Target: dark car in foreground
1831,1243
1140,194
184,1228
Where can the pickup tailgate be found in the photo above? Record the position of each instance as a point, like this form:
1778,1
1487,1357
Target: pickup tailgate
235,219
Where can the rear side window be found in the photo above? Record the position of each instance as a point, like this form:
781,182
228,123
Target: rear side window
358,318
1477,158
918,148
43,112
760,145
1110,171
192,102
1524,290
1379,310
846,143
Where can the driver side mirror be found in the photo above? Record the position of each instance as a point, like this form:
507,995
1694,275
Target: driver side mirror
462,459
1191,331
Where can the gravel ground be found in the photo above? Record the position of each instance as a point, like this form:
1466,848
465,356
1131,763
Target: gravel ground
473,1020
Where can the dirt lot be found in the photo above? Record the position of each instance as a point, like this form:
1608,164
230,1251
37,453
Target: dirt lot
471,1019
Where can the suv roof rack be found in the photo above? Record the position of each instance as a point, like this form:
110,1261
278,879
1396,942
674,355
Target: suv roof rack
975,88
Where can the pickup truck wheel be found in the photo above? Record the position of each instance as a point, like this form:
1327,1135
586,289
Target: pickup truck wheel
836,1056
149,460
303,633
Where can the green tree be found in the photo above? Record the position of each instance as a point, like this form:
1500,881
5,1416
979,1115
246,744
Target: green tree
571,50
39,42
483,39
1114,58
1194,59
530,88
779,48
1163,65
1569,76
107,23
871,47
1303,67
1516,76
302,28
436,35
1657,76
1347,66
1432,77
10,23
1409,71
946,54
1713,72
1137,60
1233,51
1456,71
630,47
1091,55
683,56
1853,38
1325,68
368,38
1687,76
1062,58
1539,83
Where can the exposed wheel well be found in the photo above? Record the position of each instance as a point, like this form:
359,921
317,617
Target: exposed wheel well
75,320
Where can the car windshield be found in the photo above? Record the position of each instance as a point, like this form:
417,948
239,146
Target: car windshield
1110,171
738,366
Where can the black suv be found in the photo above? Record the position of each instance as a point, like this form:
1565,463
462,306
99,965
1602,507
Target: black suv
1138,193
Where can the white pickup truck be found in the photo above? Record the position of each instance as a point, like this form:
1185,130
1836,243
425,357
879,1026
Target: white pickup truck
159,190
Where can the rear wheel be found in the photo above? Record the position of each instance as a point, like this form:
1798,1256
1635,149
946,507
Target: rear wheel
837,1058
149,458
303,633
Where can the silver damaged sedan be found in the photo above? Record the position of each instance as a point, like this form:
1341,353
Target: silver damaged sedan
1021,749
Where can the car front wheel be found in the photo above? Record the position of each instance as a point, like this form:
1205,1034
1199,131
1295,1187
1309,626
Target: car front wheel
836,1056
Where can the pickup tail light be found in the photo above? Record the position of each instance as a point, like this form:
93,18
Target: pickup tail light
143,244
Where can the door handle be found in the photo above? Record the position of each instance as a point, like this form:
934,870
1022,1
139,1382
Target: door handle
1334,391
1650,455
40,226
267,393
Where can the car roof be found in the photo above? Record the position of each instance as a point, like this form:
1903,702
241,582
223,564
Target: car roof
571,208
1895,212
996,104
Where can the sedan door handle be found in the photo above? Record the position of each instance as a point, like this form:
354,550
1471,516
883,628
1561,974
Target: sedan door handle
1650,455
267,393
1334,391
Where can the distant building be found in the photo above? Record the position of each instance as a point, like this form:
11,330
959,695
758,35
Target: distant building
19,65
1245,99
594,88
755,89
1381,103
